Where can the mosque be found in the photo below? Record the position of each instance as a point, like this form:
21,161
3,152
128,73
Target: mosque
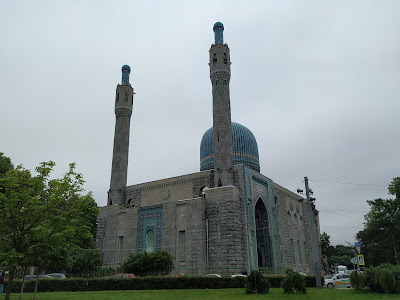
226,218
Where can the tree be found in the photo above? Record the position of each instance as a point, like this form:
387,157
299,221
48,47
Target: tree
44,220
5,165
379,238
159,262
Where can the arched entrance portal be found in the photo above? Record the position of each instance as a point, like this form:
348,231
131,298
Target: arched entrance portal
264,252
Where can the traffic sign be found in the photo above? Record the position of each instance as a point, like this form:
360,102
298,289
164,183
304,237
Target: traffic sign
358,247
360,259
353,260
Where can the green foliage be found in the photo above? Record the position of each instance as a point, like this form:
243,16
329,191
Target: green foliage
44,220
142,283
358,280
256,283
159,262
5,165
385,279
293,282
394,187
380,235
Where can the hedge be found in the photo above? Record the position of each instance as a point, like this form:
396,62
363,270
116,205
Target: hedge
142,283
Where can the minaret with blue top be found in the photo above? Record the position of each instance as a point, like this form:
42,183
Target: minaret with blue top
123,113
220,75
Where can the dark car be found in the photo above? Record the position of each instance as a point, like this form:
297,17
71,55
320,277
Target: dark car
57,275
30,277
124,275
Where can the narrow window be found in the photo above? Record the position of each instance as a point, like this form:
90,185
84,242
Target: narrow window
120,248
298,246
181,247
219,182
149,240
305,251
289,218
292,246
117,97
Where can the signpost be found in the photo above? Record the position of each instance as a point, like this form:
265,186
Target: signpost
360,259
358,247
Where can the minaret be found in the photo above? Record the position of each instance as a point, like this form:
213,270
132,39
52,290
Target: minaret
123,112
220,75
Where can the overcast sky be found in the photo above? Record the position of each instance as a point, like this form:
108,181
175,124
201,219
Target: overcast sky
317,82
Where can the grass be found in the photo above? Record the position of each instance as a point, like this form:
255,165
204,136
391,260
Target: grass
274,293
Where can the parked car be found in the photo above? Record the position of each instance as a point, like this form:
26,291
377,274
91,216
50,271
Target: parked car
57,275
30,277
171,275
338,280
238,275
213,275
124,275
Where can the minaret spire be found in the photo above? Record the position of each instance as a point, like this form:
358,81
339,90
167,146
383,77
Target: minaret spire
123,113
220,75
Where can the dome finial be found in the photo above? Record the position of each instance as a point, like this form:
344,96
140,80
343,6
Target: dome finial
219,33
126,70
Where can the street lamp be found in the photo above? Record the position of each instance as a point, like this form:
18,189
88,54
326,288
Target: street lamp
313,232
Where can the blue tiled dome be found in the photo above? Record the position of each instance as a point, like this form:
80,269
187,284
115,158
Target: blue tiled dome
218,25
126,67
245,149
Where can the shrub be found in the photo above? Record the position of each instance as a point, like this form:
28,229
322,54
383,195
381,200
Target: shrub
144,263
293,282
385,279
357,280
256,283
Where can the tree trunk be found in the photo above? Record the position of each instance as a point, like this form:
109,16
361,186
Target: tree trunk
10,283
36,284
22,284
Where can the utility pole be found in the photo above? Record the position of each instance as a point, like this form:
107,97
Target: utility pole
312,229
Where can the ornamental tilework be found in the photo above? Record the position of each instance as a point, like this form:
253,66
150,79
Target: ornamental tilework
149,218
245,149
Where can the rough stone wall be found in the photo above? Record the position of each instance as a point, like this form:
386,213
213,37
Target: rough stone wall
119,169
292,220
220,75
186,216
226,243
117,221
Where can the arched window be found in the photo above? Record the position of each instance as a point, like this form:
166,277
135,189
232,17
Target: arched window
149,240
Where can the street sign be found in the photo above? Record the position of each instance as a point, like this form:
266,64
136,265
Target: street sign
360,259
358,247
353,260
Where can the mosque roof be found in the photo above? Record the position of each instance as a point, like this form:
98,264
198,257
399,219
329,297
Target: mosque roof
245,149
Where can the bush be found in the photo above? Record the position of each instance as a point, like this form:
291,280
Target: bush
256,283
385,279
357,280
293,282
144,263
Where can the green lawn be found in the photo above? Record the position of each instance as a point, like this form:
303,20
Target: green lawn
275,293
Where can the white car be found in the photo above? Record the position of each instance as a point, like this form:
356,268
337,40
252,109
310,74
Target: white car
213,275
238,275
338,280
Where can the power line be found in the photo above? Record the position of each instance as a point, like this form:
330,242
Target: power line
349,183
328,212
